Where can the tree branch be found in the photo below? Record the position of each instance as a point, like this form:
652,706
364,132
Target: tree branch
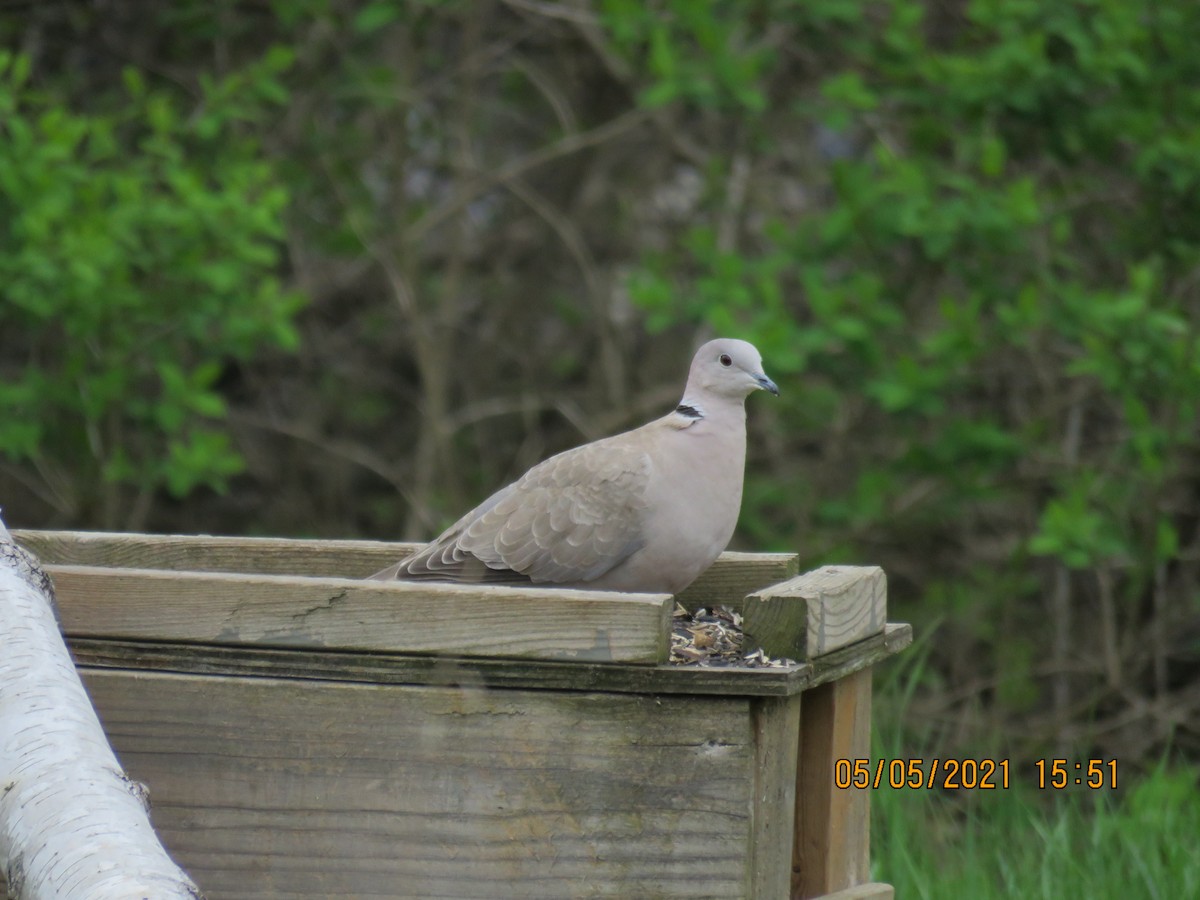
72,825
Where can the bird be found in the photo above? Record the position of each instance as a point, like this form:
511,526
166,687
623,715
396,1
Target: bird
644,511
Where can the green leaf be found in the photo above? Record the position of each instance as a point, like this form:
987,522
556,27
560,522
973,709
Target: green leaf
992,157
375,16
134,83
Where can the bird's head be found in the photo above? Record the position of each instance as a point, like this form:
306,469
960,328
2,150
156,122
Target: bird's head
729,368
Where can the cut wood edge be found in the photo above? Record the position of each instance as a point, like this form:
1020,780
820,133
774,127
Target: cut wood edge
818,612
215,553
876,890
730,578
863,654
484,672
352,614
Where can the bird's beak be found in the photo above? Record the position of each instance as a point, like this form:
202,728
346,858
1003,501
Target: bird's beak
767,384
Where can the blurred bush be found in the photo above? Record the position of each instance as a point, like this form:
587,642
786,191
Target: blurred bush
965,235
138,253
997,251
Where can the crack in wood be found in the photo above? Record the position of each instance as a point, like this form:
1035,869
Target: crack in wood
320,607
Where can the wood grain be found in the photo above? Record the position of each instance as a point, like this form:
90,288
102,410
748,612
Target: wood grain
308,733
873,891
776,725
817,612
833,826
272,788
730,578
351,614
386,668
209,553
734,575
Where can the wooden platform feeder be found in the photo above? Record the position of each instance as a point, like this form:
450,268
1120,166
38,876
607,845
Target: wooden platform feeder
307,734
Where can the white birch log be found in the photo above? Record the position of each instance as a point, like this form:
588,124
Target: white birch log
72,825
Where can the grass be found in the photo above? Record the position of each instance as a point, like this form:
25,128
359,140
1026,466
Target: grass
1016,844
1140,841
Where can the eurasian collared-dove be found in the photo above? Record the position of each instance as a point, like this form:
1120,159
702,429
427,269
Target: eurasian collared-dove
647,510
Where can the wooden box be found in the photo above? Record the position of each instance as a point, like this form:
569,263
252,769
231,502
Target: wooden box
304,733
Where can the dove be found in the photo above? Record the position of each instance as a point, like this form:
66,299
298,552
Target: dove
646,511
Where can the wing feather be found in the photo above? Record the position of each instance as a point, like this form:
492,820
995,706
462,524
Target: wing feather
569,519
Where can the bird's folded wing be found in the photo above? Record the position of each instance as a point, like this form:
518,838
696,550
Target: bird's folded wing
569,519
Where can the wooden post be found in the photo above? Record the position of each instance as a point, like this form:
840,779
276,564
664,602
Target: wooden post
832,846
775,723
818,612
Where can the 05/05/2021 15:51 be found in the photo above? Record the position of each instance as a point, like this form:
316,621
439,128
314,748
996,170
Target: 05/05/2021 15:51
970,774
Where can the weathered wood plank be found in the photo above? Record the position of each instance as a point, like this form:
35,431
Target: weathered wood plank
776,725
351,614
873,891
860,655
732,576
832,836
214,553
381,668
267,788
817,612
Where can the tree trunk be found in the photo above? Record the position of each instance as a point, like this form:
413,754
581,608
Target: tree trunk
72,825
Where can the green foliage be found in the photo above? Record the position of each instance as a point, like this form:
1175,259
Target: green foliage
997,271
699,53
138,256
965,237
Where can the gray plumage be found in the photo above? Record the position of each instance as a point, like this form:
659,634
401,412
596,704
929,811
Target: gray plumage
647,510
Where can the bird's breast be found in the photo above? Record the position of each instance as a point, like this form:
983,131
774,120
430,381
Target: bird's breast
696,496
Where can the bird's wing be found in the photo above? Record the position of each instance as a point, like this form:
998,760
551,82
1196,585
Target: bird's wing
569,519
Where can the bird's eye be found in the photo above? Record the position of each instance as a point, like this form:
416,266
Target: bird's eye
726,360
